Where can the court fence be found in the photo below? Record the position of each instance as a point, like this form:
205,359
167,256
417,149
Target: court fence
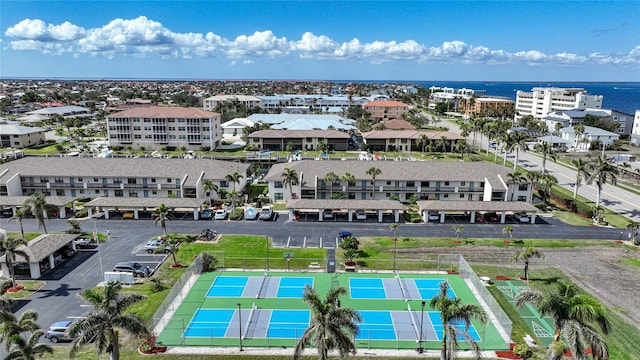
478,286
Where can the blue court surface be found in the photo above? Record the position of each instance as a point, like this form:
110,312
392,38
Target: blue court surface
396,288
259,287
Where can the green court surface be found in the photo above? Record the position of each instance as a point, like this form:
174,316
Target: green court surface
268,311
541,327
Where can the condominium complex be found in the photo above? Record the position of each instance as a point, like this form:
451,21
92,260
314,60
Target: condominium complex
427,180
488,106
117,177
156,127
274,102
542,100
385,110
16,136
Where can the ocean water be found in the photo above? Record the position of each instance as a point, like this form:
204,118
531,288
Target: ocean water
623,97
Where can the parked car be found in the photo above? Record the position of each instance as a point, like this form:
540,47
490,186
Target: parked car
361,215
6,213
523,218
57,258
153,246
221,214
132,267
327,214
58,331
128,215
206,214
491,217
266,213
21,268
82,242
251,214
434,217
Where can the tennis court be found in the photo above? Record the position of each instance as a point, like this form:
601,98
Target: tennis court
267,310
259,286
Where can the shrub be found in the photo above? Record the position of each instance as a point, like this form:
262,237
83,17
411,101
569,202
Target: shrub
523,351
209,262
236,214
82,213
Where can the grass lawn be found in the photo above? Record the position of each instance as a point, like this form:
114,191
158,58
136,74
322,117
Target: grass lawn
30,287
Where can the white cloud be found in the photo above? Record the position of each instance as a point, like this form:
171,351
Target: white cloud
142,37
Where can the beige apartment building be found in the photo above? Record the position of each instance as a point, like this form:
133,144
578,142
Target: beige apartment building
488,106
19,137
170,128
386,110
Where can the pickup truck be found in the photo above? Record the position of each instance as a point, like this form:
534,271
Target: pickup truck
266,213
82,242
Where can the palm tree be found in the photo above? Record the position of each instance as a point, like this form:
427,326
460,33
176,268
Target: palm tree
517,177
578,129
209,187
19,216
349,179
424,140
232,196
331,327
547,150
599,170
107,319
331,177
289,179
575,318
13,326
581,171
508,230
9,245
452,312
545,183
458,229
526,255
233,178
394,227
374,172
37,205
162,216
28,349
518,142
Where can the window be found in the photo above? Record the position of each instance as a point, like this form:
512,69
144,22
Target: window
446,183
131,181
522,198
278,196
278,185
463,183
523,187
133,194
79,179
169,180
59,192
224,183
44,180
154,192
118,193
461,196
97,191
411,183
445,196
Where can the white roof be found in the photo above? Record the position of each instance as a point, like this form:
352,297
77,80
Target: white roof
11,129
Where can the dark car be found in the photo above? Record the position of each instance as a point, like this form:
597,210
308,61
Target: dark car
491,217
6,213
132,267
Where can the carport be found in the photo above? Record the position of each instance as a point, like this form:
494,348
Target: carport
135,204
442,207
15,202
39,249
343,204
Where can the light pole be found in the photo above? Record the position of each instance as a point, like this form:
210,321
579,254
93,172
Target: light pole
267,240
240,325
420,348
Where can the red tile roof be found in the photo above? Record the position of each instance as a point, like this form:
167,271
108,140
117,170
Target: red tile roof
389,103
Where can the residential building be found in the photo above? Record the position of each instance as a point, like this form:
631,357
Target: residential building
635,130
488,106
304,121
408,140
156,127
386,110
540,101
397,124
423,180
577,116
235,127
19,137
278,140
582,142
211,103
117,177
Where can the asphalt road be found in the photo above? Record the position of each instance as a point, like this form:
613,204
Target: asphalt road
60,299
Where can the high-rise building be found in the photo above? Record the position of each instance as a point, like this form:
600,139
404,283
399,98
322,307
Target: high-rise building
542,100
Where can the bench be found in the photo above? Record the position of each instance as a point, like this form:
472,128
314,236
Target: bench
529,341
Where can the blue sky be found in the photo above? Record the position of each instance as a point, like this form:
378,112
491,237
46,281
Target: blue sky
322,40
